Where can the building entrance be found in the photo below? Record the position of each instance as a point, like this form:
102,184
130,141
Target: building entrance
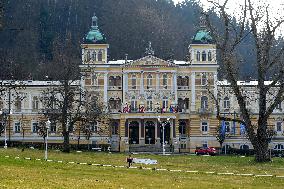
149,132
134,132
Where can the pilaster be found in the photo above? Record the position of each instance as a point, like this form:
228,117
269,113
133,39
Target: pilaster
193,91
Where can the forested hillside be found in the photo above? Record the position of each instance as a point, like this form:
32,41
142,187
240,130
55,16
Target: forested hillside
31,28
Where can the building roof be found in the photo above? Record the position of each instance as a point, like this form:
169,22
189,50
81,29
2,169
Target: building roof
202,36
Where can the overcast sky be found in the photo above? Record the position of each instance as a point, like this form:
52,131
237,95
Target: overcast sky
276,7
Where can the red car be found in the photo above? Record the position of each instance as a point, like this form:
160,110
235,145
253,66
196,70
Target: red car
209,151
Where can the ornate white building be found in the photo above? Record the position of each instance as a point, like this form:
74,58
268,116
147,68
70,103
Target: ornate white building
144,94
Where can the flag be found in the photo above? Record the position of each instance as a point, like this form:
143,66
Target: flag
223,128
242,129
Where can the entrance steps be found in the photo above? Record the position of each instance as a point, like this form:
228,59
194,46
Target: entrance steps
148,148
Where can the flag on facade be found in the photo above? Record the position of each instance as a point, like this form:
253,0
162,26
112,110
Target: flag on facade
223,128
242,129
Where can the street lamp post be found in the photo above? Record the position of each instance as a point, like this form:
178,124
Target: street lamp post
163,125
5,131
47,127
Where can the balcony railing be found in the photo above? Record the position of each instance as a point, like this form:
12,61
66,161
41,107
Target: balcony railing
183,87
205,110
114,87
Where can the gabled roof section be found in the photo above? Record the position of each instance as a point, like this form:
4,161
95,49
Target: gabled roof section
150,61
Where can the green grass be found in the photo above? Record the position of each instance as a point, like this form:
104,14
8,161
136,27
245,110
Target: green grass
21,173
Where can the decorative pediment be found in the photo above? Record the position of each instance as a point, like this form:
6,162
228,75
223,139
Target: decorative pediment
150,61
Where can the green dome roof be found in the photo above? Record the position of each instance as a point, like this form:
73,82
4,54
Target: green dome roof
94,36
202,37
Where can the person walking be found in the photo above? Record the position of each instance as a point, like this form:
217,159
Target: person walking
129,160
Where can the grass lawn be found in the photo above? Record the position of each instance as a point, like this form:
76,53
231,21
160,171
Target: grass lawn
22,173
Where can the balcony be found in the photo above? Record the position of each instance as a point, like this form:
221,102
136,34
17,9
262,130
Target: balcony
205,111
114,87
183,87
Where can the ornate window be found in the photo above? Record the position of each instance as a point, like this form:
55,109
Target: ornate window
18,105
17,127
226,103
133,104
203,56
209,56
198,56
204,80
204,126
149,81
278,126
149,103
114,128
165,81
133,81
94,56
35,127
227,126
35,103
53,126
94,126
88,56
165,102
100,56
204,102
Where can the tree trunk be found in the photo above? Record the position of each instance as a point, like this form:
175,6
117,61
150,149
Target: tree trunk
261,151
66,145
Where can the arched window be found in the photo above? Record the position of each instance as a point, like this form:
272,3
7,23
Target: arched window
94,56
35,103
133,81
204,102
198,56
100,56
226,103
203,56
88,57
149,103
204,79
149,81
209,56
165,102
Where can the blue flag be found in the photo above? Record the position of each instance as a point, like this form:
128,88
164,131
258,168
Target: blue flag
223,128
242,129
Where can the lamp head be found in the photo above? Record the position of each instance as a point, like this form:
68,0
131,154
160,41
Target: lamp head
1,112
168,119
159,118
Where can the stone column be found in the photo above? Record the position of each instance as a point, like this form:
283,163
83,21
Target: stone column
215,89
175,87
105,89
193,91
157,82
142,83
124,86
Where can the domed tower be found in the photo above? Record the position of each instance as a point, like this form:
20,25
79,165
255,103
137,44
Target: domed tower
94,47
202,50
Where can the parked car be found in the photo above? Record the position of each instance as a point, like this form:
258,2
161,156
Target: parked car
209,151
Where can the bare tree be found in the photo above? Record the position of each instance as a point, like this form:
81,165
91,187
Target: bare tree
269,63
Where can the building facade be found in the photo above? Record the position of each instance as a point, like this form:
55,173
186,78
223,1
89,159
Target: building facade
145,97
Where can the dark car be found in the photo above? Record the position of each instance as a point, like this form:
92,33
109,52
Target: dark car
206,151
